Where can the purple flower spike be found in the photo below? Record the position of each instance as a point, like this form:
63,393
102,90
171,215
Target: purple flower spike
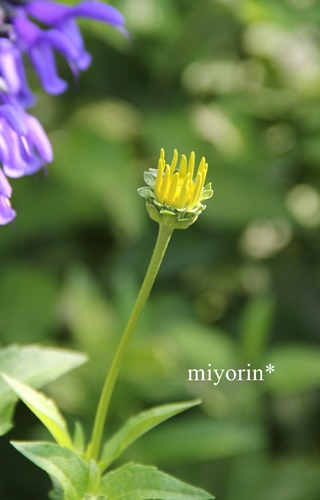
57,31
38,29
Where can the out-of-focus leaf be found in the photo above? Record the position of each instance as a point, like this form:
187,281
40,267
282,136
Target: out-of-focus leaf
101,170
263,477
199,439
137,426
255,199
297,368
255,327
139,482
34,365
27,303
200,345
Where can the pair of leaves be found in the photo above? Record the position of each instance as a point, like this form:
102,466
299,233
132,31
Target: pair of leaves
129,482
77,477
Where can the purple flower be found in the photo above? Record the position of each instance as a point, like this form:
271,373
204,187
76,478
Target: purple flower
24,148
38,28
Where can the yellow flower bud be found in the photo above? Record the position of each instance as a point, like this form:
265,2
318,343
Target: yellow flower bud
173,195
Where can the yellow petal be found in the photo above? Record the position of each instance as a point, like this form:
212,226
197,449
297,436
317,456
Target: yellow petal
174,160
183,167
181,200
157,188
191,164
165,184
197,188
172,189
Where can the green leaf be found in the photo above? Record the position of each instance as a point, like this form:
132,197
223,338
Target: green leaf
297,369
139,482
78,438
44,408
70,470
197,439
139,425
255,327
6,412
33,365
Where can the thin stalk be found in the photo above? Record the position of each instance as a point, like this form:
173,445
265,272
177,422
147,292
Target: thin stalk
163,239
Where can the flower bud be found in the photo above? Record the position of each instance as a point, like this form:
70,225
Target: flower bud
173,196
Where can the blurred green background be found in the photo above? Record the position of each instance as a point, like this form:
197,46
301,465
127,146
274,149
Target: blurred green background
237,81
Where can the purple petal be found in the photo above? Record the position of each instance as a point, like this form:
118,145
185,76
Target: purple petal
4,150
42,57
41,54
25,96
53,13
5,188
15,164
14,118
8,65
33,166
38,139
27,32
70,28
47,12
73,52
7,214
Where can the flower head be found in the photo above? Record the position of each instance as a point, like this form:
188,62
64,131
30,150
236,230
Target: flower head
173,193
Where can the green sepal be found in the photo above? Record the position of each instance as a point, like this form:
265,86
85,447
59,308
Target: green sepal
175,220
150,179
207,192
146,192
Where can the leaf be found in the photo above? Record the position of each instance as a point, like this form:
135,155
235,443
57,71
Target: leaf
139,482
256,322
78,438
139,425
70,470
297,369
6,412
44,408
198,439
34,365
36,309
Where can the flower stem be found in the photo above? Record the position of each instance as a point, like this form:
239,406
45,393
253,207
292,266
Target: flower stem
163,239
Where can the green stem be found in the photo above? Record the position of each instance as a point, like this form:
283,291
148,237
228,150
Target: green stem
163,239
